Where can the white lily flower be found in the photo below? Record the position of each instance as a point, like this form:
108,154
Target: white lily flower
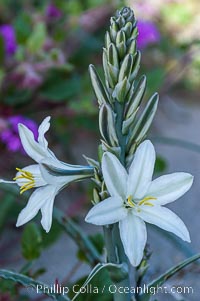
49,176
136,199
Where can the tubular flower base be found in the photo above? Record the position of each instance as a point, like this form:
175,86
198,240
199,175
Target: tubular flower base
49,176
136,199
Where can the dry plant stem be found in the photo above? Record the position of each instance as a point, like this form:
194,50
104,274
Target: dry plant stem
114,247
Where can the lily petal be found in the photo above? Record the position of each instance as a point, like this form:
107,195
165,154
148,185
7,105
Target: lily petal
141,170
43,128
134,236
107,212
54,171
35,202
169,188
115,175
47,211
164,219
31,147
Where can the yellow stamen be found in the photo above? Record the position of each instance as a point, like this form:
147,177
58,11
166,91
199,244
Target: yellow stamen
130,201
27,176
145,201
148,204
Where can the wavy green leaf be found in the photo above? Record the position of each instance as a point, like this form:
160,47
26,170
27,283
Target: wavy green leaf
30,283
120,270
164,277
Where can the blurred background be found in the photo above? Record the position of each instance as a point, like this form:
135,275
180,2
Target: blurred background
45,49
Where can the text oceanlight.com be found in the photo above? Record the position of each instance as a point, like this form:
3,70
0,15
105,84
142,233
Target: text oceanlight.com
90,289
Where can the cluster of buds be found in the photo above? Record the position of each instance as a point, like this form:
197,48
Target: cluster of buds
121,95
122,127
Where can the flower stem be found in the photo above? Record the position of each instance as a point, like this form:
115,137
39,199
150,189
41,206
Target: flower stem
115,254
119,109
114,247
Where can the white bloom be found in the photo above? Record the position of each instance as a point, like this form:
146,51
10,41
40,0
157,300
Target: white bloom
136,199
50,175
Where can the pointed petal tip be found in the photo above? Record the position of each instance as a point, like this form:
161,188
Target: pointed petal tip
19,223
47,119
89,218
45,227
21,125
146,143
186,236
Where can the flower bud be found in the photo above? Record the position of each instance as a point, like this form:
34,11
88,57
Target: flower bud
121,90
126,67
98,86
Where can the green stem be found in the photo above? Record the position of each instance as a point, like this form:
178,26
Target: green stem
116,255
119,108
114,247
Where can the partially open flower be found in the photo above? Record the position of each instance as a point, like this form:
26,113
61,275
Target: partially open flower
49,175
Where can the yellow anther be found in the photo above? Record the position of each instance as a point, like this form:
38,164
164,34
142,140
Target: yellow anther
25,188
24,174
145,201
130,198
148,204
27,176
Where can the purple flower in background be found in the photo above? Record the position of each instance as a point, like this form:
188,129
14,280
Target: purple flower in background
53,12
148,34
10,135
8,33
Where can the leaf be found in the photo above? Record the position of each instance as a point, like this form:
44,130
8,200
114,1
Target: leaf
29,283
98,242
135,96
100,282
7,286
142,125
120,269
164,277
31,241
160,165
58,88
22,26
49,238
99,89
6,206
92,162
17,97
37,38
